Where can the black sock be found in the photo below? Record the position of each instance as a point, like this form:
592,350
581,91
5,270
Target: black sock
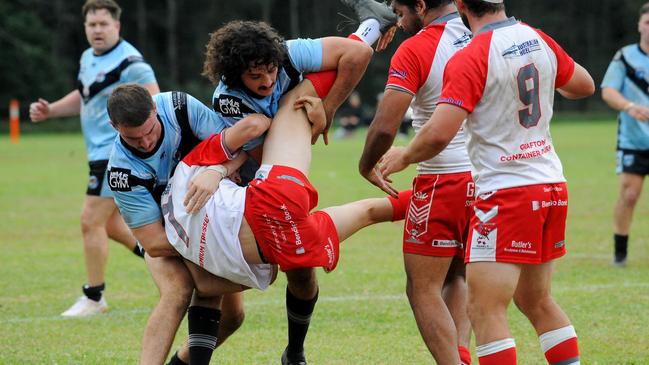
299,313
175,360
621,245
203,329
94,292
138,249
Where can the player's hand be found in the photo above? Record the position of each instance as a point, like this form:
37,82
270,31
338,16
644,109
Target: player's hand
39,110
316,114
377,179
639,113
386,39
393,161
200,189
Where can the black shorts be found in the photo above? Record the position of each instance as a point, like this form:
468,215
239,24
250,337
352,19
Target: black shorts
96,178
633,162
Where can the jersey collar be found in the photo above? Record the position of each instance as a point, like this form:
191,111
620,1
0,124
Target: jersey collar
110,50
445,18
501,24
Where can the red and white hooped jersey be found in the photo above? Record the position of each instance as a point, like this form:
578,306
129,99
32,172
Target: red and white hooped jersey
417,68
506,79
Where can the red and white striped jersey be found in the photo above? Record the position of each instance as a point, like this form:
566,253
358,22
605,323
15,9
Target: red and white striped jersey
417,67
506,78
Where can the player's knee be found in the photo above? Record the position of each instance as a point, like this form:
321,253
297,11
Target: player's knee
630,196
533,306
303,283
89,221
232,319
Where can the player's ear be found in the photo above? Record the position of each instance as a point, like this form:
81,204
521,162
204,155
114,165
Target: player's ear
420,7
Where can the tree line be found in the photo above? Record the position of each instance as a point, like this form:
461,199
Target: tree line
41,40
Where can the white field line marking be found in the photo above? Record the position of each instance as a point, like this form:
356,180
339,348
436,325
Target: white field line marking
333,299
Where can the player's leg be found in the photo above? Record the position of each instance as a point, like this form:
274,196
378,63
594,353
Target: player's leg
630,190
301,298
533,298
425,276
95,214
455,296
175,287
491,287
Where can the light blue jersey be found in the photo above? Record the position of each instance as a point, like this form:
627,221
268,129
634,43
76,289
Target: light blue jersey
234,104
138,179
628,73
98,76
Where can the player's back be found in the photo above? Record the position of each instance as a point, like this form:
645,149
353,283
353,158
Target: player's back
510,72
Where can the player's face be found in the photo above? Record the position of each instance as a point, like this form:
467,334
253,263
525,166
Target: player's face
145,137
407,19
260,79
102,31
643,28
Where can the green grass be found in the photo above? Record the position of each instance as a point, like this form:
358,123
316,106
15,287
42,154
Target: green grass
362,316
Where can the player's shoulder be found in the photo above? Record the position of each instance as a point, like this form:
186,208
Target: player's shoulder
232,102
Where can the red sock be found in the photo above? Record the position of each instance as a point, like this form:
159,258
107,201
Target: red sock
560,346
323,81
502,352
465,355
400,206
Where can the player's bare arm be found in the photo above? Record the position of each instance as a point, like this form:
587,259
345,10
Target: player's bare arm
432,139
154,240
380,135
67,106
579,86
350,58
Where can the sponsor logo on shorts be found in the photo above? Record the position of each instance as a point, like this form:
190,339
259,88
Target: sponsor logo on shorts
628,160
559,244
288,218
554,203
118,179
446,243
549,189
329,248
93,182
522,247
201,246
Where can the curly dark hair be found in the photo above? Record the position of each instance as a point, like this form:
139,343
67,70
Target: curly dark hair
430,4
239,45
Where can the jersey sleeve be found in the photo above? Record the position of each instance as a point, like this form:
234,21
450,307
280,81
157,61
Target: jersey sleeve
615,73
140,73
135,202
465,75
203,120
405,73
231,108
137,206
565,63
305,54
211,151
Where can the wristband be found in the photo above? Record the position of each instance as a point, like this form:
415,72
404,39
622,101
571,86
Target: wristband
628,106
220,169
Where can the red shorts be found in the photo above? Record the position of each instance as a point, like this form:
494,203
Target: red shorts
278,202
523,225
437,222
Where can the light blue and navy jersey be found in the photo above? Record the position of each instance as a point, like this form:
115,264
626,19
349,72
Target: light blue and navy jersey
234,104
98,76
628,73
138,179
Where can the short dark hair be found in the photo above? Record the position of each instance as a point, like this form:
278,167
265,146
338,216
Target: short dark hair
480,7
430,4
239,45
129,105
644,9
94,5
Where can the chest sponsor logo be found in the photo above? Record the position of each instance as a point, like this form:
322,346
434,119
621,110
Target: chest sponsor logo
118,179
519,50
229,106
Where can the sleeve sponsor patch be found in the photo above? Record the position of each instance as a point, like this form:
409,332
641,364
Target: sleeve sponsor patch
231,106
119,179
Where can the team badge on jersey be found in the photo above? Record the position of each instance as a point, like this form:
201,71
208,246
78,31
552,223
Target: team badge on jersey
118,179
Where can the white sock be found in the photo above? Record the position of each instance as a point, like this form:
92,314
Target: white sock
369,31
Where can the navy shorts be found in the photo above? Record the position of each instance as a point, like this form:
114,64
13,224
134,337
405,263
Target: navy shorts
632,162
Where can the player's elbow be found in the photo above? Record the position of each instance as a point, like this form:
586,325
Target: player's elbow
255,125
580,85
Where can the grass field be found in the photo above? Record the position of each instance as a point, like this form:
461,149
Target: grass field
362,316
